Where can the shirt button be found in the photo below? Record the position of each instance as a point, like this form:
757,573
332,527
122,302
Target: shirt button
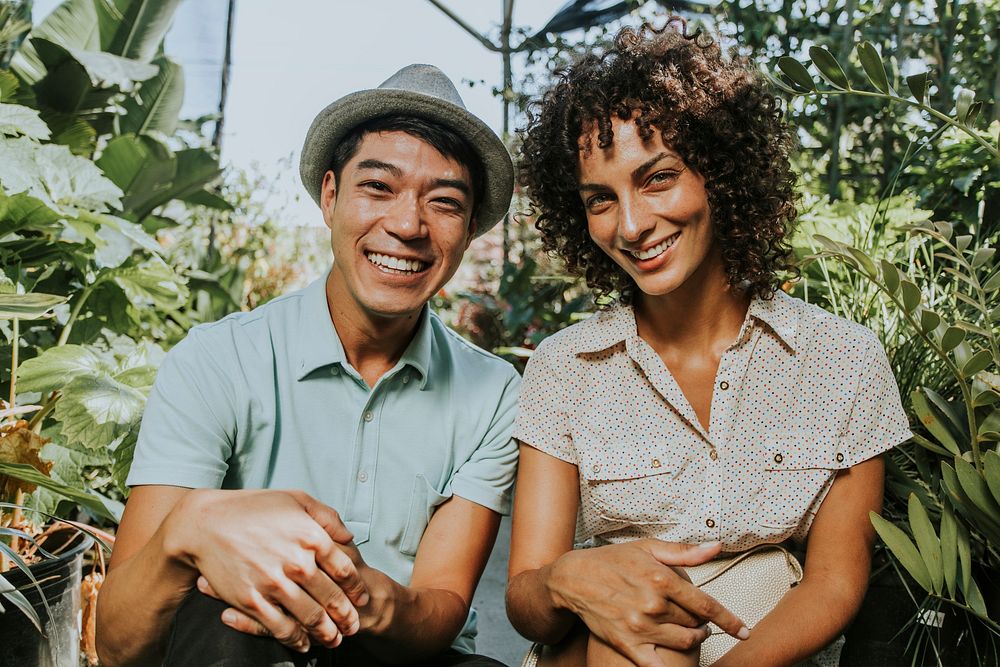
406,378
723,385
335,370
713,455
710,523
655,463
362,476
369,415
840,457
778,458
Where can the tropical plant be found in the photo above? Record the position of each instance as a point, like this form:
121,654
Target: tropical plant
928,287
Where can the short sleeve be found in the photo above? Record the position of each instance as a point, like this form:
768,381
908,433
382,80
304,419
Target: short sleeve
878,422
542,421
187,431
487,478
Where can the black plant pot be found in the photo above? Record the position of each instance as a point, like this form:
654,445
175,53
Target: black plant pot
21,645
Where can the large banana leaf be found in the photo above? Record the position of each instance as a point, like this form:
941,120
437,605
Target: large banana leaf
140,26
72,24
157,105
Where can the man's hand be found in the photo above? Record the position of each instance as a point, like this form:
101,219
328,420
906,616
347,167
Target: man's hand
278,558
636,597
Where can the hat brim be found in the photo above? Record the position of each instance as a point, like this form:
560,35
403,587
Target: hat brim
336,120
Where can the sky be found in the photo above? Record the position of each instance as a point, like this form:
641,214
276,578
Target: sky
290,58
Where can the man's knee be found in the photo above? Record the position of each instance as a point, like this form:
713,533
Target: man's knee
198,637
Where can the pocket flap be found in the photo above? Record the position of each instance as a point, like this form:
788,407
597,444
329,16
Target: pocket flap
424,499
805,451
619,464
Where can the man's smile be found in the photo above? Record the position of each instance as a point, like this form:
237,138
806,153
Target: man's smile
399,265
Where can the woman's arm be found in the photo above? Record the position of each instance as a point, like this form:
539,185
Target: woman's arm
838,560
626,594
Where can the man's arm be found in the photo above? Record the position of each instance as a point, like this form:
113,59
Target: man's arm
404,623
285,557
838,559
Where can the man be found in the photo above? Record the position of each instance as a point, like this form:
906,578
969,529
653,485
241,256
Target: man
393,432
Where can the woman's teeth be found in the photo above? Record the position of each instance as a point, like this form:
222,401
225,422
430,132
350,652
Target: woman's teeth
396,264
655,250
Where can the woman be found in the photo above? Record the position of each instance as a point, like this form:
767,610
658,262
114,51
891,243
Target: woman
704,406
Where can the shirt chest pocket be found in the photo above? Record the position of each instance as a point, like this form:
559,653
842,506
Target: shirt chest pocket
424,500
628,486
797,472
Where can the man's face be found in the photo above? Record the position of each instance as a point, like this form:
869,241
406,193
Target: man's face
400,220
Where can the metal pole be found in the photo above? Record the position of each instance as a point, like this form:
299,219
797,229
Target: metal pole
506,93
224,87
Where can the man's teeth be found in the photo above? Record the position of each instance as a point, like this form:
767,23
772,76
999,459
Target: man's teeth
655,250
396,263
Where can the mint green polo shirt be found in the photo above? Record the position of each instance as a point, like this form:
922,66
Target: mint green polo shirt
267,399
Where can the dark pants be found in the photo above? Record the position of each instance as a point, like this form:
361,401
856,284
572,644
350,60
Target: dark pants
199,638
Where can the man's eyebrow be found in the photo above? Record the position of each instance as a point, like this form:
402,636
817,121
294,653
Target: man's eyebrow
381,166
456,183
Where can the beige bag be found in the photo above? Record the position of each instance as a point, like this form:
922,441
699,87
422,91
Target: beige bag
749,584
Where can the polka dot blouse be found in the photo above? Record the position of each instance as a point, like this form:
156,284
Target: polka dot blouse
799,395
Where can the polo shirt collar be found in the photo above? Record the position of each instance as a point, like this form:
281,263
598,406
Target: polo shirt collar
320,347
617,324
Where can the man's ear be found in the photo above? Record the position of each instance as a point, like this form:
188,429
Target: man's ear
472,232
328,195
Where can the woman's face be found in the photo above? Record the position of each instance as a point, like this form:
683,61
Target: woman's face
647,210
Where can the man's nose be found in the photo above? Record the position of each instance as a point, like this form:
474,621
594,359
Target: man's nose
405,220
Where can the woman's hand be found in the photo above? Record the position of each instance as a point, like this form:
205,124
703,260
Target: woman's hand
636,597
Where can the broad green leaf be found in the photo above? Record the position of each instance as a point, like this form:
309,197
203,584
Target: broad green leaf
953,412
104,69
141,166
903,549
864,261
929,320
57,366
931,420
964,556
72,23
981,256
917,83
153,282
952,338
976,489
911,295
927,444
73,132
927,542
96,412
781,85
971,328
23,212
890,276
871,61
27,473
828,66
944,229
949,549
8,85
122,460
20,120
992,284
157,104
991,470
28,306
962,104
139,377
796,72
209,200
980,361
963,242
140,30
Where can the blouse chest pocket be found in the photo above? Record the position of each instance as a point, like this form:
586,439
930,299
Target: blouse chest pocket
631,486
798,470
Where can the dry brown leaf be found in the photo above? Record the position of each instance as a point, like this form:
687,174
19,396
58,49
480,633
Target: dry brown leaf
21,445
89,589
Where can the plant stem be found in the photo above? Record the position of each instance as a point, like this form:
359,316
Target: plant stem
38,417
84,295
15,341
15,541
932,111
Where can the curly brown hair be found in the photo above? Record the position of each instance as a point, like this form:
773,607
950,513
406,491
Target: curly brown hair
717,114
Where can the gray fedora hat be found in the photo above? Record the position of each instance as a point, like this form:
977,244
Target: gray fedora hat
416,90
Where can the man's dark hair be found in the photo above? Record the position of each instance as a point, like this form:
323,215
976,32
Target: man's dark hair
443,139
719,116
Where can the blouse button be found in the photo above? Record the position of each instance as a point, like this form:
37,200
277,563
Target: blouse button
596,468
778,458
840,457
713,455
723,385
655,463
710,523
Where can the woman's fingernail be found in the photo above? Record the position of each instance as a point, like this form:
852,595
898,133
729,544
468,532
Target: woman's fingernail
744,633
229,617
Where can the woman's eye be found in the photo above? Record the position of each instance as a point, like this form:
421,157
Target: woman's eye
597,201
662,177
